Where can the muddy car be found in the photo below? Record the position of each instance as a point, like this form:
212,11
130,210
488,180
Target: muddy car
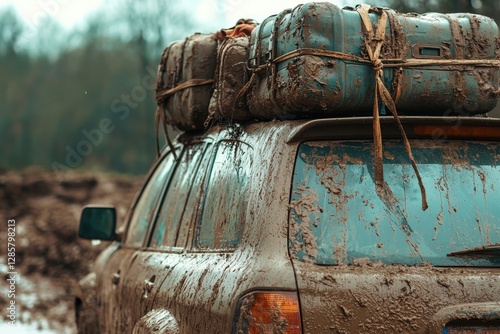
278,227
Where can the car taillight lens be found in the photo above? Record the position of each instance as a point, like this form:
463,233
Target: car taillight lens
471,330
268,312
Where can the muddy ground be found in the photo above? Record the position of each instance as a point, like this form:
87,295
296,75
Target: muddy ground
49,257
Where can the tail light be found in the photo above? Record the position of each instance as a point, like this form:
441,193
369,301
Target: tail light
268,312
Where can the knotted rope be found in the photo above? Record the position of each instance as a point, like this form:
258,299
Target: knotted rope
373,43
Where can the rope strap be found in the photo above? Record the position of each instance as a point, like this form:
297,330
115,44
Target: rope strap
161,118
389,63
160,94
373,42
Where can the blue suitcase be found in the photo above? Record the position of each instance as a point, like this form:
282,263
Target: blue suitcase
312,61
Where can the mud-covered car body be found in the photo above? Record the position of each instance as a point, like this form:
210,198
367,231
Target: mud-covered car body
277,227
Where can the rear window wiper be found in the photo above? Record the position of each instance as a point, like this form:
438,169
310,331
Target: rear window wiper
485,252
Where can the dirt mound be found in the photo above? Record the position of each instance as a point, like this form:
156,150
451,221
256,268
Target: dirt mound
49,256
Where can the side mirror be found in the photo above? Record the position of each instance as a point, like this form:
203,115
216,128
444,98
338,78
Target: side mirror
98,223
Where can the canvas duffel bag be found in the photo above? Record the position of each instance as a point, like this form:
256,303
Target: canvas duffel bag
230,77
185,81
318,60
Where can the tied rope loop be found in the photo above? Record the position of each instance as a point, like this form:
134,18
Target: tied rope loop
250,82
373,43
378,68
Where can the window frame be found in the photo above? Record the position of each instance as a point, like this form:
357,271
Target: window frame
205,151
179,149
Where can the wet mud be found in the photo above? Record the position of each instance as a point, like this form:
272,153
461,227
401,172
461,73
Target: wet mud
50,258
375,298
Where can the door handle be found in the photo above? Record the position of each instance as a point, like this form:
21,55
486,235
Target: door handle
148,287
115,279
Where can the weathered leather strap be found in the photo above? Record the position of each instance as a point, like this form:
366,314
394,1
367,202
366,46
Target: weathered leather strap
373,44
389,63
187,84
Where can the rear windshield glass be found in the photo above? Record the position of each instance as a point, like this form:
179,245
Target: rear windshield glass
336,215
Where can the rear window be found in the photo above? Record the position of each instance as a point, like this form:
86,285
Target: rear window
336,215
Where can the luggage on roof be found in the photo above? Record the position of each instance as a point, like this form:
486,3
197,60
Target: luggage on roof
313,61
230,78
185,81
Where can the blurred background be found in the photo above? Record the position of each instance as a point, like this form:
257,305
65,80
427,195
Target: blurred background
67,65
77,83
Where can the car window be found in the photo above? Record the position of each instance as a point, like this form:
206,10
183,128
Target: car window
173,206
193,204
225,198
337,216
146,205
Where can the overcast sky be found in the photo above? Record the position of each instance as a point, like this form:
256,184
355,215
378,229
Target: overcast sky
68,12
71,13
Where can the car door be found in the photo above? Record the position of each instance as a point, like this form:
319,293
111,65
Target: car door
117,263
169,233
